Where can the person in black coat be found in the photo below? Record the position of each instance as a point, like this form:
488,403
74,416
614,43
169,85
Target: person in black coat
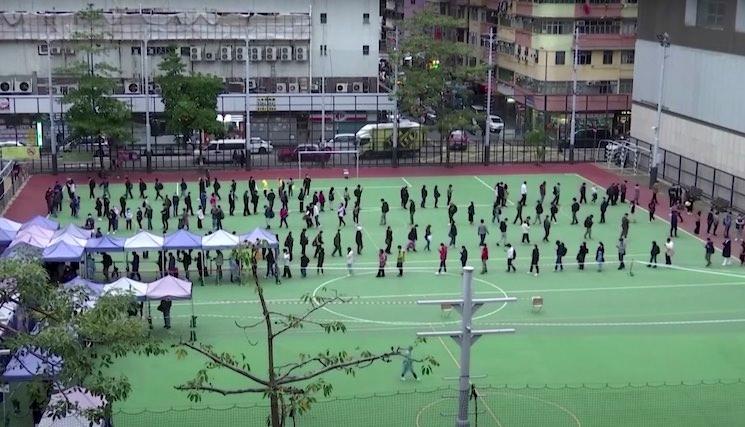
534,257
135,273
653,255
583,251
289,244
165,308
358,240
463,256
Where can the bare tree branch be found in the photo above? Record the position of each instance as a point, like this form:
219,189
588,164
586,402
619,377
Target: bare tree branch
224,392
220,362
365,361
302,319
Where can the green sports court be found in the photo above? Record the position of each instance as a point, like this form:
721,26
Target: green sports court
642,347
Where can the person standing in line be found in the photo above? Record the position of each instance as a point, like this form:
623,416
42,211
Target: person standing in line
526,231
697,224
625,226
388,239
652,207
321,257
726,252
709,251
484,258
384,209
400,260
382,259
449,194
463,257
603,208
412,210
575,210
471,213
350,262
436,194
404,193
538,212
453,233
621,246
511,255
534,259
358,239
653,255
337,244
424,196
165,308
588,227
727,223
669,251
523,193
710,221
304,261
341,212
482,232
502,233
428,237
443,253
408,365
600,256
561,250
583,193
674,216
581,254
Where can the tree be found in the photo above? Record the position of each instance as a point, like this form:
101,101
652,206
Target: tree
437,75
291,387
537,138
189,100
93,114
88,340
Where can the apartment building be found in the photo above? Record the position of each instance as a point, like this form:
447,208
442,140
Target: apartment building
703,87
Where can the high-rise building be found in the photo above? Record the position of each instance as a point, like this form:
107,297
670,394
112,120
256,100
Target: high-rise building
703,87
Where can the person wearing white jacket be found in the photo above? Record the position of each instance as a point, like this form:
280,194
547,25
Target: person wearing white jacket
669,251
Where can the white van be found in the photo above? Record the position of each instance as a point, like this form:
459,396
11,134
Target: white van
222,150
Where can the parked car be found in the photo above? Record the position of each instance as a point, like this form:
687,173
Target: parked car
587,138
290,154
222,150
342,141
496,124
458,140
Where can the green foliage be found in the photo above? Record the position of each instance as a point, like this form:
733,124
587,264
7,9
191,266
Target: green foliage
89,340
93,113
437,75
189,100
291,387
537,139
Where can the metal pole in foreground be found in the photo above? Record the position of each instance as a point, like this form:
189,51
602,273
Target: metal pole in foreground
394,138
664,40
52,128
466,337
574,94
146,74
247,118
487,129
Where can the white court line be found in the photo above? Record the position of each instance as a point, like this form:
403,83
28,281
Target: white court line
509,202
408,184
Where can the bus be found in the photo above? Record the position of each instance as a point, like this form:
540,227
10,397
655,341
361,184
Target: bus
376,140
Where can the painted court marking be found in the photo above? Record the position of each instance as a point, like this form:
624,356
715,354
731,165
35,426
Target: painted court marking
509,202
408,184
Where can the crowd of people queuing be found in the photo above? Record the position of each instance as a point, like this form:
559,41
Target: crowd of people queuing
312,204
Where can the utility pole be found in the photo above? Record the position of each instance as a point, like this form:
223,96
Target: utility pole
146,75
395,103
52,128
664,40
247,105
573,124
487,129
466,337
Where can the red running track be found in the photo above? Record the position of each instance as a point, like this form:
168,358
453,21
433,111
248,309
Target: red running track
30,201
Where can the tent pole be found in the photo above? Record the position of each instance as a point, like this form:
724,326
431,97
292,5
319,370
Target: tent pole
204,265
149,315
193,332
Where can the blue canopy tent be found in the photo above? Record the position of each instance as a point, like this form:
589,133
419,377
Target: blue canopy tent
6,236
25,365
261,235
182,240
41,221
62,252
75,231
105,244
9,224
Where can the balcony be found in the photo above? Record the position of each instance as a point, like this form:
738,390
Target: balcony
523,37
524,8
563,103
606,41
600,11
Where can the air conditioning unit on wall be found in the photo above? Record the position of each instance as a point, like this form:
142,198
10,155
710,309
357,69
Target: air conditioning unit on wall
358,87
342,87
7,86
240,53
131,87
301,53
251,83
254,53
293,88
209,56
270,53
281,88
226,53
24,86
285,53
195,53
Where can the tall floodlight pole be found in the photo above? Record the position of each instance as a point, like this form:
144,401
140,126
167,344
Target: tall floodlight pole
573,124
487,129
247,106
664,40
146,75
52,128
395,103
466,337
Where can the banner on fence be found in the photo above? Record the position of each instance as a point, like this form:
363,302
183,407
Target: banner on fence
20,153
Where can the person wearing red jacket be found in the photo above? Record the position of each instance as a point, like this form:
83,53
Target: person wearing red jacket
484,258
443,251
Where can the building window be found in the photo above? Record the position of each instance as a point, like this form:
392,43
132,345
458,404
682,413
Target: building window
323,18
366,49
607,57
584,57
413,1
560,58
627,57
710,14
365,18
324,50
740,16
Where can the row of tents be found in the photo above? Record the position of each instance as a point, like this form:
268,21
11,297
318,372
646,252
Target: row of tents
44,238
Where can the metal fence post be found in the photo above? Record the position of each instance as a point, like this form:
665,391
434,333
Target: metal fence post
695,176
713,183
732,193
680,166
